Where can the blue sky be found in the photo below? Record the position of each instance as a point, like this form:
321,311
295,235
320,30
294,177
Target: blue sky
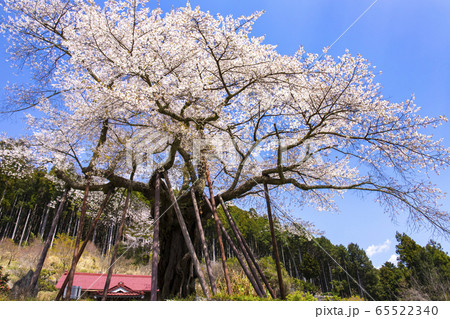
408,40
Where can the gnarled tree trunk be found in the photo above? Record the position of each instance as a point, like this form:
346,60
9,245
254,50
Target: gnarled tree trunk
176,275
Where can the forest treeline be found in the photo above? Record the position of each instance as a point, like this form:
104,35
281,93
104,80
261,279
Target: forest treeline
314,265
320,267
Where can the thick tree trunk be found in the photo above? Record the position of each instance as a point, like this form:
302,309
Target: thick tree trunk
176,277
187,238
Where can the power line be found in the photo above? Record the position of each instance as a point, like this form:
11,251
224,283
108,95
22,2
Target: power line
346,30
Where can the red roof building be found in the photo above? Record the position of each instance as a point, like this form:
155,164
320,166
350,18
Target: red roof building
122,287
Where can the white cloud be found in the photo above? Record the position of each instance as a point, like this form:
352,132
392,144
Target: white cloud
393,259
376,249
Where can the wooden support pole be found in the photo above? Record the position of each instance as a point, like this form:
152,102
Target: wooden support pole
247,252
187,238
48,241
241,245
155,247
274,243
203,241
249,275
77,240
90,232
258,268
219,235
116,245
241,261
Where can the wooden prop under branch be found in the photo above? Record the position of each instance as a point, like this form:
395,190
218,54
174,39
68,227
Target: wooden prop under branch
219,235
249,275
77,240
274,243
47,244
90,232
246,249
155,248
203,241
